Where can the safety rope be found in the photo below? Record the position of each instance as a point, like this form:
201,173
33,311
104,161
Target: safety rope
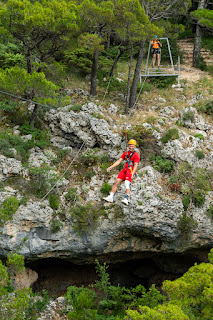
17,97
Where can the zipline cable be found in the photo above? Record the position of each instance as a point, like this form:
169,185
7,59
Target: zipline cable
14,96
81,147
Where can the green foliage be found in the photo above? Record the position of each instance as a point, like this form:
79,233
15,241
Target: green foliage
9,141
13,302
55,225
186,201
85,218
162,164
89,174
89,158
80,57
9,106
200,136
75,107
40,138
198,199
61,154
151,120
185,225
171,134
147,87
37,303
10,55
164,312
71,195
205,17
210,256
105,189
38,185
54,201
207,107
15,263
35,85
209,212
188,116
197,184
202,63
162,82
40,27
7,209
199,154
193,291
142,135
83,302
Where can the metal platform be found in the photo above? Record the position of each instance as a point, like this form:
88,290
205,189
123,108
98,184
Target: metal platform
161,72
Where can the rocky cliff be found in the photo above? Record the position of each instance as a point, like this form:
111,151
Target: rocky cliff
157,221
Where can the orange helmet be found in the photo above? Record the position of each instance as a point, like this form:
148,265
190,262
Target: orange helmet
132,141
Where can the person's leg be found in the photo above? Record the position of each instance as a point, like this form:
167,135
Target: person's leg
153,60
115,185
109,198
158,58
127,185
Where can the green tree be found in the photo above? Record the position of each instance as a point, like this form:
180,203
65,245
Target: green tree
42,28
32,86
96,18
157,12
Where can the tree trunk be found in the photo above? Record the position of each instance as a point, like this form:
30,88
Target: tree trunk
29,66
33,115
133,91
120,52
129,80
197,46
94,74
198,36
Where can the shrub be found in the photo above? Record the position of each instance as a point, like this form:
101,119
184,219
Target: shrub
199,154
54,201
198,199
38,184
105,189
200,136
9,106
147,86
84,217
89,174
55,225
7,209
9,141
71,195
83,302
185,225
171,134
186,201
188,116
209,212
40,138
151,120
75,107
207,108
162,82
89,158
162,164
61,154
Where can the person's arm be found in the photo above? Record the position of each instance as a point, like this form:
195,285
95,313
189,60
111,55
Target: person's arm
160,44
115,164
134,168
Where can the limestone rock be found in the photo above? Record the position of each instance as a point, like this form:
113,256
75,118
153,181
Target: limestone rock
9,166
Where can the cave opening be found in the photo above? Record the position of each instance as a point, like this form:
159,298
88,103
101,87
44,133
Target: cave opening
56,275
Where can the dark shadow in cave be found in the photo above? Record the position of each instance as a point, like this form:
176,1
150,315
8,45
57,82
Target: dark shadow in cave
56,275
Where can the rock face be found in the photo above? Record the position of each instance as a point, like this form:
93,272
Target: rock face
149,225
73,128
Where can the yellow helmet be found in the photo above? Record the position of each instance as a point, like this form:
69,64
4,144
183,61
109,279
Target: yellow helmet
132,141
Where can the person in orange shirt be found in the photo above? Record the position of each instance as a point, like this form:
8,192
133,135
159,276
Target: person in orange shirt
156,45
